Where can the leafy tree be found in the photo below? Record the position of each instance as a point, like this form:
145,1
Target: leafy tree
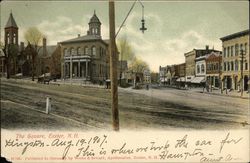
34,37
138,66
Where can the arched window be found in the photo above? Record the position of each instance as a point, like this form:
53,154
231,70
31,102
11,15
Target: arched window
8,38
202,68
65,53
198,69
86,50
72,51
236,65
78,51
14,39
93,50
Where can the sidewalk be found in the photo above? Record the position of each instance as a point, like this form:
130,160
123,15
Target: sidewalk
233,93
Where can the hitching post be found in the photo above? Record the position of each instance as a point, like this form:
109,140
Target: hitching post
48,105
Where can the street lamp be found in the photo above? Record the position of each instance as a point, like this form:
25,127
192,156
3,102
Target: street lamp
143,28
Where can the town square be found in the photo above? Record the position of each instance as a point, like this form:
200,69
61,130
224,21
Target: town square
133,68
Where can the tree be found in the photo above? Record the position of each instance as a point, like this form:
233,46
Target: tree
138,66
125,49
34,37
1,45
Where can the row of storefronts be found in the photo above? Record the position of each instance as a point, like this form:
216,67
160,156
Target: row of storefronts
228,69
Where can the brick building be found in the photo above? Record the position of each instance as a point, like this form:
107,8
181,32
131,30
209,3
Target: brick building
213,69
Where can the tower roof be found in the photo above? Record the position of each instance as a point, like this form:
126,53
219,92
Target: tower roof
11,22
94,19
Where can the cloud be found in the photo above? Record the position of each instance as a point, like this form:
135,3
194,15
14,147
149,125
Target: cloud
150,46
61,29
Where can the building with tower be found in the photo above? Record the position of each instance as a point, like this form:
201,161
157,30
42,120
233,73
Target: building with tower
17,59
11,46
86,57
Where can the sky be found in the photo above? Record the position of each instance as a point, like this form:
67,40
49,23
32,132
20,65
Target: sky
173,27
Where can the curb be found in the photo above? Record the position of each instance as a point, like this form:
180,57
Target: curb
234,96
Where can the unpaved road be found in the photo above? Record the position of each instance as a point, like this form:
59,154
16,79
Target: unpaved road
86,108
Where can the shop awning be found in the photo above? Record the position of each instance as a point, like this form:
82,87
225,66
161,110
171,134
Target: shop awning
181,79
198,80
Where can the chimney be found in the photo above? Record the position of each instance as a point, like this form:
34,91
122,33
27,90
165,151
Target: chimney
207,47
78,35
44,46
22,46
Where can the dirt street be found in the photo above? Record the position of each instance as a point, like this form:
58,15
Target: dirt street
88,108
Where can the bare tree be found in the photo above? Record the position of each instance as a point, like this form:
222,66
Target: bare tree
34,37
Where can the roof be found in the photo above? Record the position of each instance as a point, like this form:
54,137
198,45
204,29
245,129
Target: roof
94,19
83,38
235,35
11,22
49,50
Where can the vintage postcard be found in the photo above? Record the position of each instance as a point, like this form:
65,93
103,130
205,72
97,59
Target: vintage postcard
124,81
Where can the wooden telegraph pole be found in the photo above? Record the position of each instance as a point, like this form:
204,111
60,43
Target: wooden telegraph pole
113,66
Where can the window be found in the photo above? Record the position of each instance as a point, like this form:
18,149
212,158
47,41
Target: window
72,51
232,66
245,48
78,51
225,52
198,69
8,38
228,51
86,50
202,68
228,66
93,50
236,49
236,65
15,39
217,66
65,52
246,66
232,51
241,46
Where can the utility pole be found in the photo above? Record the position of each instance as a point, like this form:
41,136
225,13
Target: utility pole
241,70
113,66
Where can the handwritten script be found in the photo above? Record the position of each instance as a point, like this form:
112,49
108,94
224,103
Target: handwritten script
72,146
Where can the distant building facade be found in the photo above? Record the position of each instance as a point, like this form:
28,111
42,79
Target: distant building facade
195,68
147,76
86,57
231,60
213,69
180,72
